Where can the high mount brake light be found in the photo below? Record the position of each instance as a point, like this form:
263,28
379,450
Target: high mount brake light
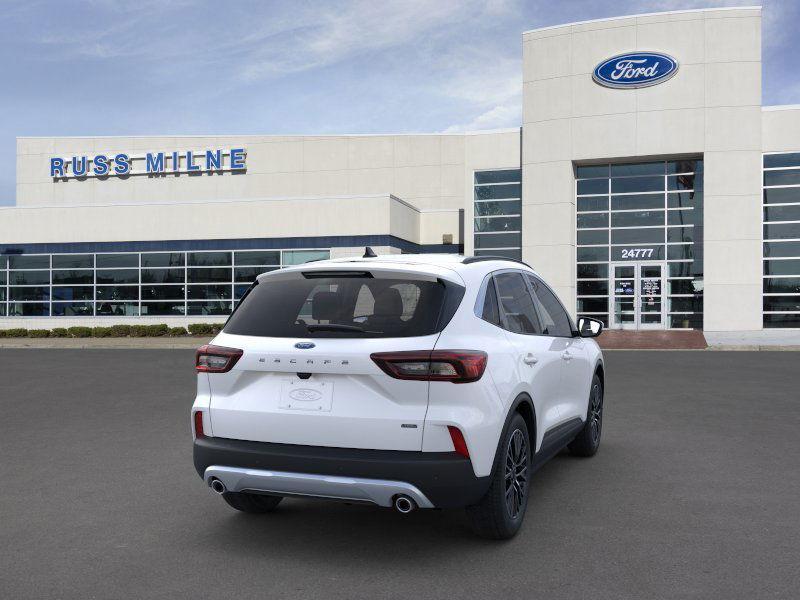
216,359
456,366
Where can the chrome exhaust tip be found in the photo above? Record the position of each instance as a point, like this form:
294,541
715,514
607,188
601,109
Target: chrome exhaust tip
218,486
404,504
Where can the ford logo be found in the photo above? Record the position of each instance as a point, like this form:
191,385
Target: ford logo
635,70
304,345
305,395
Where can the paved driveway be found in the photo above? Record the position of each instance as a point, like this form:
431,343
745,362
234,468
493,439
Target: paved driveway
695,494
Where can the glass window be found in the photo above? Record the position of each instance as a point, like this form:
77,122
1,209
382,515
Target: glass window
592,236
73,309
162,309
73,261
680,234
209,308
299,257
499,176
782,195
2,278
786,320
516,304
209,259
782,213
782,285
249,274
684,166
61,277
117,292
684,182
113,261
83,292
680,269
3,262
117,309
684,200
782,267
491,312
162,292
593,288
592,271
554,318
636,184
595,203
209,292
29,293
592,186
782,303
497,240
638,218
680,252
117,276
637,202
593,305
593,220
28,309
651,168
782,231
257,257
592,254
218,275
782,249
589,171
163,259
498,192
498,224
684,286
788,177
342,307
684,304
790,159
694,321
499,207
683,217
515,253
163,276
23,261
637,236
29,277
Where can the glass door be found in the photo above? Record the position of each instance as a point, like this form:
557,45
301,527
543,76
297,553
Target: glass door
637,295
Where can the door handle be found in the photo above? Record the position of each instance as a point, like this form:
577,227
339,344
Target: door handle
566,355
530,359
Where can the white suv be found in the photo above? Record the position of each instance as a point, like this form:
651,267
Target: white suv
407,381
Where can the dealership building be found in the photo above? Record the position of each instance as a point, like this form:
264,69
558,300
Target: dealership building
646,183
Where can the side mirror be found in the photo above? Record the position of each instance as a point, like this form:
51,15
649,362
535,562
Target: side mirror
588,327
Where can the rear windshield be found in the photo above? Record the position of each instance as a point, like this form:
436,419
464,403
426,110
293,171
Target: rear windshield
344,306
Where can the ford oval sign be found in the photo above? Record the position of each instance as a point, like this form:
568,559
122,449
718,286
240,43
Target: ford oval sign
635,70
304,345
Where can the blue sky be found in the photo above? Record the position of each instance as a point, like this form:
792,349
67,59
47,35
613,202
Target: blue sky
152,67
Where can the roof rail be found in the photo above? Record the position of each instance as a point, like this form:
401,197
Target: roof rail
473,259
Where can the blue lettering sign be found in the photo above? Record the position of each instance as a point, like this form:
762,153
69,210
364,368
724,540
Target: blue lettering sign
237,159
213,160
635,70
79,166
100,164
190,166
176,162
123,165
154,163
56,167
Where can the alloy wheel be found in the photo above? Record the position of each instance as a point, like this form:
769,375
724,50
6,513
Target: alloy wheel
596,413
516,473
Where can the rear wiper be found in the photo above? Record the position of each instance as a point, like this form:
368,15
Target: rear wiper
337,327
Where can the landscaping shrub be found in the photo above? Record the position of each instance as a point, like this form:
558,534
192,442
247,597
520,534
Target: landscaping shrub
200,329
80,332
177,331
157,330
38,333
101,332
2,333
138,330
120,330
217,327
59,332
17,332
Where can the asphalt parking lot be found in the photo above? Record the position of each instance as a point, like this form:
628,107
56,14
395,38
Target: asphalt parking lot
695,493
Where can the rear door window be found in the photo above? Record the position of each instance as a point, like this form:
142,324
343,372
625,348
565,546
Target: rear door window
516,304
555,320
343,306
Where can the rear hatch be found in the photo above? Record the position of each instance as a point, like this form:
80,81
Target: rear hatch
306,376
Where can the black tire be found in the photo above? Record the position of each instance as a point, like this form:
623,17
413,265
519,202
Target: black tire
587,441
500,512
252,503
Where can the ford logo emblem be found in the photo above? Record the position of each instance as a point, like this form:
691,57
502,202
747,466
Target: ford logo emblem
635,70
304,345
305,395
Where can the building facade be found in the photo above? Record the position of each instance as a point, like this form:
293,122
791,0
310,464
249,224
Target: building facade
647,184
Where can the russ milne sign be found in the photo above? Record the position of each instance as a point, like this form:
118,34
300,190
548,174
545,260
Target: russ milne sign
151,163
635,70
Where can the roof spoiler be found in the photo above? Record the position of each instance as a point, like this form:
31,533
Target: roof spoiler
473,259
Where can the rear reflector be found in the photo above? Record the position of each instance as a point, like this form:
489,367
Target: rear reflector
459,443
198,425
456,366
216,359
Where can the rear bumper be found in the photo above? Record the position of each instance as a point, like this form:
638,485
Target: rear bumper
444,479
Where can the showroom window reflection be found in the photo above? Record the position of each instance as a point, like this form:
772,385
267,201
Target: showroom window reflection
129,284
498,213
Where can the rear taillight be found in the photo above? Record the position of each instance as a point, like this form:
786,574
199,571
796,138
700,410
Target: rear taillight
459,443
198,425
216,359
456,366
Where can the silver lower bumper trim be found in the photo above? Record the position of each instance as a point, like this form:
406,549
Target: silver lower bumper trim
377,491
